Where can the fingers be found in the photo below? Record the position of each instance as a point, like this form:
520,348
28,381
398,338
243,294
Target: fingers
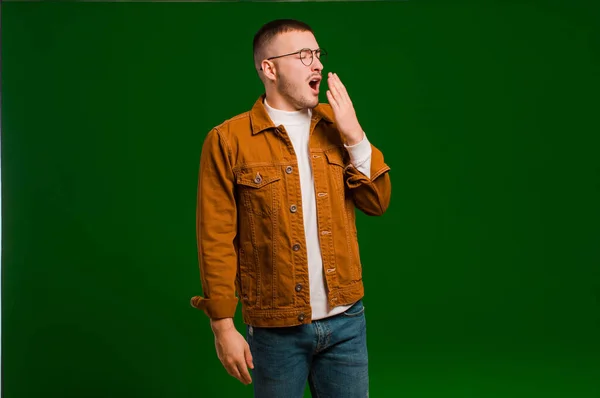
243,371
332,100
341,86
338,90
332,81
248,364
237,368
248,355
233,370
240,367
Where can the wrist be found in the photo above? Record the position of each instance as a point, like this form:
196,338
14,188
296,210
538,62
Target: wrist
221,325
355,138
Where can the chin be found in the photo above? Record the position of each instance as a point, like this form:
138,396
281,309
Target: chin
305,100
313,102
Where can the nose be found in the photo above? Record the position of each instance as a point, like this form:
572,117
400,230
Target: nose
316,66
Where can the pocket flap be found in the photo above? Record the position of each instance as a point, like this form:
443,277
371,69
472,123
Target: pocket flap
335,157
257,179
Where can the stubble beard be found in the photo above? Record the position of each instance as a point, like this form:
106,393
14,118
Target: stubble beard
295,96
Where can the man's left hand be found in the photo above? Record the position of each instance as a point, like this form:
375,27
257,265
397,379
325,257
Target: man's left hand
343,110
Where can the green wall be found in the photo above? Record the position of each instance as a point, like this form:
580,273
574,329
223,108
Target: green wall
482,279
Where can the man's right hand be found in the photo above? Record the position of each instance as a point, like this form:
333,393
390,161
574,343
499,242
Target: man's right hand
232,349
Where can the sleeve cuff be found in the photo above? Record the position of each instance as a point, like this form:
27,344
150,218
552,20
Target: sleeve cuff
215,308
360,155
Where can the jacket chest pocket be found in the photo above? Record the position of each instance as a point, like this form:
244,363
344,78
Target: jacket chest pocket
259,189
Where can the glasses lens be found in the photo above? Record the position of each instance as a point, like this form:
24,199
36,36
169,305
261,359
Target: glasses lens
306,56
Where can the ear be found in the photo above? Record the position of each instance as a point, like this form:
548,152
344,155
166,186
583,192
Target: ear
268,69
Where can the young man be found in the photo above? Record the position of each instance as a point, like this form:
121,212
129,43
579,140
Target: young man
278,188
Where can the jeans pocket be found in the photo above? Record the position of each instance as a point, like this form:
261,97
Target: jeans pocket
356,310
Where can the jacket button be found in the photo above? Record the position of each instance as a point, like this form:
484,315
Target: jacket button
293,208
258,180
289,169
299,287
301,317
296,247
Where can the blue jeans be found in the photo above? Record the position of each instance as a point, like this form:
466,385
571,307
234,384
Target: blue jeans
331,354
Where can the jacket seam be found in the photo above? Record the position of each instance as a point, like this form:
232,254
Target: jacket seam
227,146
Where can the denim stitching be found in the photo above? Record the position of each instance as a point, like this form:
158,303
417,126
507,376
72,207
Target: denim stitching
256,265
274,245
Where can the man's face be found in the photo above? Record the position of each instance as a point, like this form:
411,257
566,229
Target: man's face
296,82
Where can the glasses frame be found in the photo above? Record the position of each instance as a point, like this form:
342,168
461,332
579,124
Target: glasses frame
313,53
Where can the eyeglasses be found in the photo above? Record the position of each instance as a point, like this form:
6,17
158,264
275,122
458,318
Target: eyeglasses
306,55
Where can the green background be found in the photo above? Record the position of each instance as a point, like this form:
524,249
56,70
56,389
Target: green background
482,280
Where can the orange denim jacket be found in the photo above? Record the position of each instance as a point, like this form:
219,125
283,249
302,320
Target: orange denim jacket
250,228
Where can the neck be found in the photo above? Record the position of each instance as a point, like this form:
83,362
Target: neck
277,101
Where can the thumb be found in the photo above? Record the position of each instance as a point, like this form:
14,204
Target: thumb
248,356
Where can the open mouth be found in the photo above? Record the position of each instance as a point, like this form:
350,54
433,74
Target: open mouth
314,84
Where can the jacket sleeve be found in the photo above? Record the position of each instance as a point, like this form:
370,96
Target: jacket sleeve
372,193
216,228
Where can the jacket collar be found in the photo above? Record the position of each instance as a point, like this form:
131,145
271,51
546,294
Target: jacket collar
260,120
